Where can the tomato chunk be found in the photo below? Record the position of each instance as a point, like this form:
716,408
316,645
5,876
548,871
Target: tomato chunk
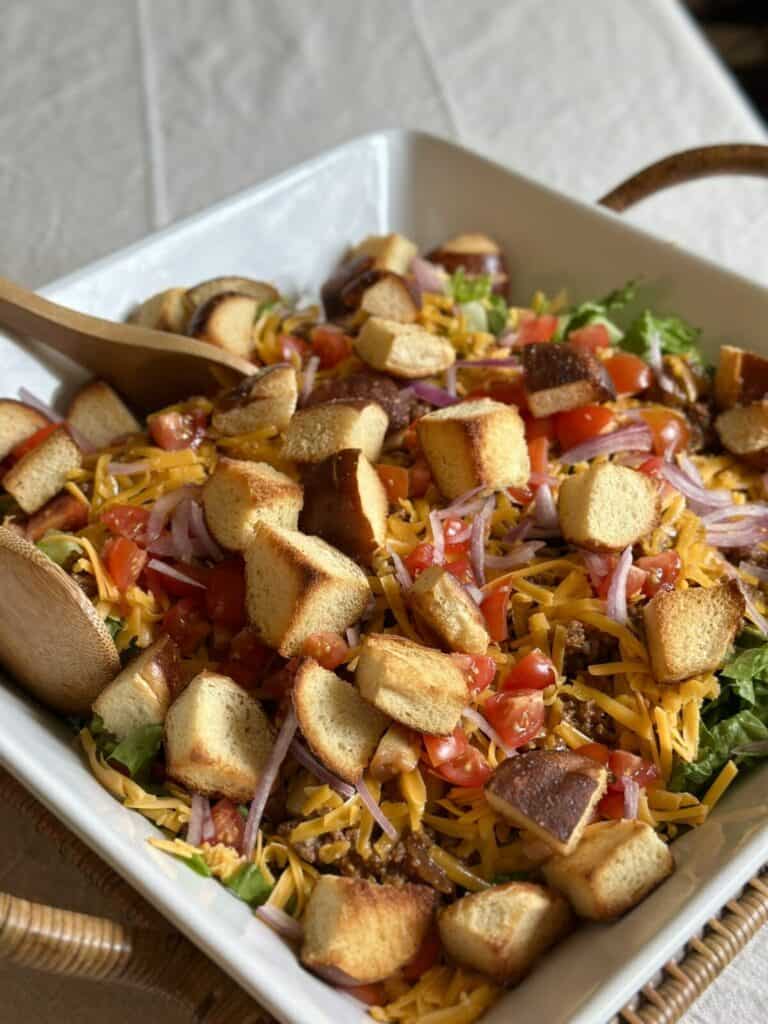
160,584
494,609
590,338
535,329
441,749
624,764
126,521
538,453
396,482
331,345
32,442
175,430
662,571
595,751
124,560
460,568
517,716
329,649
229,823
456,534
537,428
612,806
294,349
185,624
582,424
478,668
225,593
422,556
669,430
66,512
372,995
629,373
635,581
533,672
247,660
419,477
470,769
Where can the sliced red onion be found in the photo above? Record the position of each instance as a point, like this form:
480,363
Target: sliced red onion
537,479
631,797
433,395
475,593
266,781
477,538
545,514
164,506
752,510
163,546
196,820
507,339
306,758
308,378
705,499
521,555
504,361
353,636
616,602
754,570
168,570
737,538
438,537
47,410
752,611
429,277
128,468
519,532
688,466
654,351
631,459
200,533
487,729
377,814
469,508
402,575
209,829
636,437
456,507
450,380
180,523
598,566
282,923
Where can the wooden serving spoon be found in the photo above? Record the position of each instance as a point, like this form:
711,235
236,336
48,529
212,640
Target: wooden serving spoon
148,368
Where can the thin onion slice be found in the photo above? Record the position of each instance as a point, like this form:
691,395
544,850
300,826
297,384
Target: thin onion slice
507,339
632,438
475,593
545,509
308,378
196,820
128,468
520,556
265,783
631,797
168,570
164,506
48,411
477,539
353,636
754,570
438,537
282,923
690,488
429,277
432,394
200,533
402,575
450,380
307,759
519,532
616,602
487,729
209,829
598,566
750,510
376,812
457,506
180,524
736,537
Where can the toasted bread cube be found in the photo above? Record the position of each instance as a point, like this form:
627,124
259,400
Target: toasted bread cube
743,430
239,494
402,349
140,695
478,443
259,290
346,504
341,728
390,299
17,423
299,585
614,867
361,932
562,377
398,752
388,252
99,414
40,474
318,431
217,738
166,311
552,793
607,507
504,930
267,399
226,320
415,685
742,377
690,631
440,602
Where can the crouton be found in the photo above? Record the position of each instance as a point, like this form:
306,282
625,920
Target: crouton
346,504
741,377
299,585
141,694
607,507
259,290
444,606
552,793
341,728
402,349
318,431
40,474
17,423
398,752
504,930
388,252
239,494
478,443
166,311
614,867
360,932
561,377
226,320
690,631
390,299
98,414
267,399
743,429
415,685
358,285
217,738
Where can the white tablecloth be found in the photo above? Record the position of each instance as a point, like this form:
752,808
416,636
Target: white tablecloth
119,116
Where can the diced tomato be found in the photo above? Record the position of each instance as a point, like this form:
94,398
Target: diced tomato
456,535
126,521
521,495
669,430
517,716
248,658
595,751
66,512
175,430
612,806
278,684
160,584
225,593
494,609
229,823
629,373
590,338
331,345
422,556
328,649
470,769
510,392
623,763
538,453
32,442
536,329
652,467
461,568
425,958
372,995
541,428
478,668
185,624
420,477
661,571
411,437
124,560
445,748
582,424
396,482
533,672
635,581
293,349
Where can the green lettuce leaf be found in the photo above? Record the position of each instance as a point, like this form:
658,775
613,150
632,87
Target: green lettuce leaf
469,289
596,311
676,337
196,863
139,749
59,550
497,313
250,885
114,625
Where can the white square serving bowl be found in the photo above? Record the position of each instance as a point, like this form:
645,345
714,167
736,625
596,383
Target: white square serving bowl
291,230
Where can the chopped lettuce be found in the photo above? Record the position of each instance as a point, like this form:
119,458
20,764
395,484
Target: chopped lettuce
497,314
674,336
196,863
596,311
114,625
250,885
475,316
59,549
136,752
469,289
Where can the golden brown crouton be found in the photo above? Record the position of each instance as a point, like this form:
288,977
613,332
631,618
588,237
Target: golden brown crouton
690,631
415,685
402,349
166,311
259,290
445,607
504,930
398,751
341,728
318,431
239,494
140,694
226,320
559,377
607,507
266,399
217,738
390,299
17,423
40,474
99,414
346,504
362,929
359,285
552,793
614,867
742,377
478,443
388,252
299,585
743,429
